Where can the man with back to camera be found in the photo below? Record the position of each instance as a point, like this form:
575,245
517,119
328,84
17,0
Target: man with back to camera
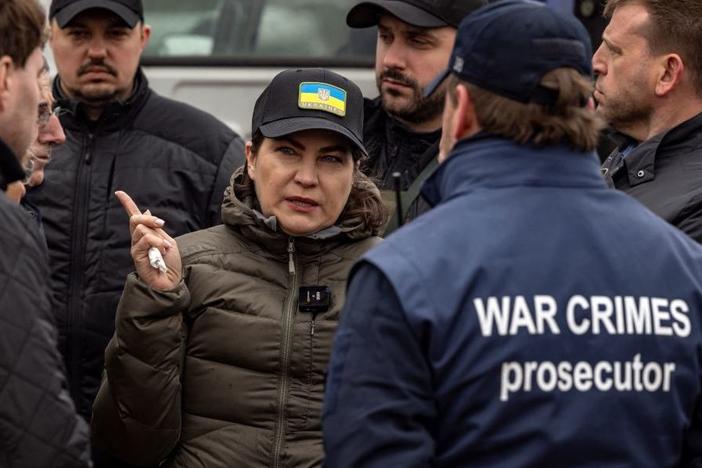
39,426
119,135
498,337
402,127
649,89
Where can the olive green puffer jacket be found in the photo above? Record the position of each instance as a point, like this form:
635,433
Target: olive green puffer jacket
225,370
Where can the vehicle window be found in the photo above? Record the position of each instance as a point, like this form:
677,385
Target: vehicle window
257,30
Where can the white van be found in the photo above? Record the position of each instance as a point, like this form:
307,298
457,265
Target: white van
218,55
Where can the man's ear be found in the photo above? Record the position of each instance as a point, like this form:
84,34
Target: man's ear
250,161
465,123
7,66
670,75
145,35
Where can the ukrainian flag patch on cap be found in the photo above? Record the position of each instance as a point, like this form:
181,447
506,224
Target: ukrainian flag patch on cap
322,96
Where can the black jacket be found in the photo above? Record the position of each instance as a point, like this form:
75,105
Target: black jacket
171,158
664,173
39,426
392,147
10,168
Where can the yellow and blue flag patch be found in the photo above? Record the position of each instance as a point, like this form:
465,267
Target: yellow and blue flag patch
322,96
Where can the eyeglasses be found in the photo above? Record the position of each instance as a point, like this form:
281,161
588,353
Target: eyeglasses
46,112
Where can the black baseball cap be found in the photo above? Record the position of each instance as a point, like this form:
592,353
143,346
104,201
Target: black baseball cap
508,46
310,99
131,11
422,13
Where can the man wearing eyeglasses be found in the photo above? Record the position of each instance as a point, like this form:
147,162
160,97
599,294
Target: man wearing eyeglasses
49,134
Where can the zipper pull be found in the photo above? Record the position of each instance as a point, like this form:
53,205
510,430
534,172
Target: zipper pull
312,326
291,256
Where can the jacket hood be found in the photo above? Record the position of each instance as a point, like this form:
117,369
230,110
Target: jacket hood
241,211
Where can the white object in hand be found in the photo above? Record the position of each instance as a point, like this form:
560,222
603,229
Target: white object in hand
156,260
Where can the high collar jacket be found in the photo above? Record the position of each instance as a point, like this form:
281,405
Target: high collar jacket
10,167
227,370
171,158
664,174
527,320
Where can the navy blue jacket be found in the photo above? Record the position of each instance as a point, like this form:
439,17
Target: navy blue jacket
533,318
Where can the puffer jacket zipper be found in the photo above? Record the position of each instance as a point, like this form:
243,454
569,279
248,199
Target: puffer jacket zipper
288,327
79,231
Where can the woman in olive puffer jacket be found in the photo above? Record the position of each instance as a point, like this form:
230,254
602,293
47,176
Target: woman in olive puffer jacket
220,361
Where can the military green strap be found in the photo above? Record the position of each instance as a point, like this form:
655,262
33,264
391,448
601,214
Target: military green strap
408,196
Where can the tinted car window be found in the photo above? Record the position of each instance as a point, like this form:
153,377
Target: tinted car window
257,30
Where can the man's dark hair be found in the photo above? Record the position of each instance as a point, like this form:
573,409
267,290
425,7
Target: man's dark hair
568,120
22,29
675,26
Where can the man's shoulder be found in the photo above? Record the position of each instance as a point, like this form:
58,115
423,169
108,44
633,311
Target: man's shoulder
13,219
185,126
176,116
19,235
410,249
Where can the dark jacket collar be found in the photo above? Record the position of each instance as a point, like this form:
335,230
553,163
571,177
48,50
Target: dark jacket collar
486,161
241,212
641,162
10,168
117,115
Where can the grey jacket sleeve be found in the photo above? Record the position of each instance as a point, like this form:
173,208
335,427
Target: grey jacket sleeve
39,426
137,412
233,159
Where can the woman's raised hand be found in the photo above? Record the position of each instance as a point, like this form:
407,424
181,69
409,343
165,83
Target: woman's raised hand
147,232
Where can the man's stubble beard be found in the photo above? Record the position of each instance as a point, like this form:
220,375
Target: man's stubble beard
420,109
628,109
625,114
95,97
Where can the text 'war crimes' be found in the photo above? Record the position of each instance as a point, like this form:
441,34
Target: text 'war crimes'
594,315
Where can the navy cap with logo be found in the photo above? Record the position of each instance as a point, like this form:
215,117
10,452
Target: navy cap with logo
131,11
422,13
310,99
508,46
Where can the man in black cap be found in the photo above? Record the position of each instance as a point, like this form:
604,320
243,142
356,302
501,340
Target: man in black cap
491,332
119,135
402,127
